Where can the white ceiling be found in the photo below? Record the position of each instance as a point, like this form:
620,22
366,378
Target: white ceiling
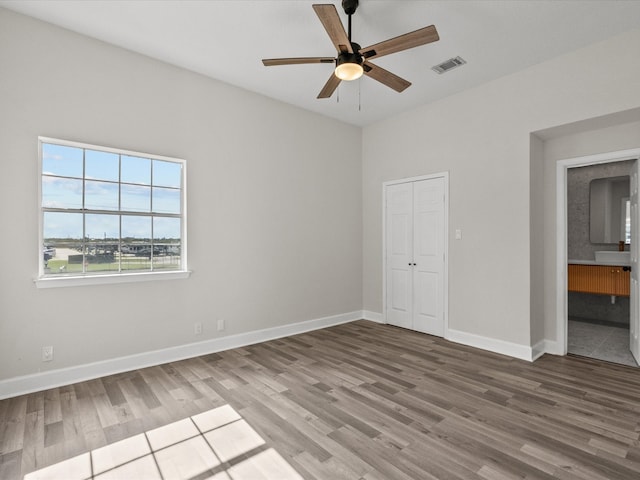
226,40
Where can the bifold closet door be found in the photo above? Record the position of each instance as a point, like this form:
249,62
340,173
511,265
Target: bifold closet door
399,254
415,255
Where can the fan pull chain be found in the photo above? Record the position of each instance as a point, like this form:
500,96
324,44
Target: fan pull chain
359,90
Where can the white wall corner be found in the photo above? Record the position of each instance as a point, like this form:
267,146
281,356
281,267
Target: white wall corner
538,350
372,316
523,352
65,376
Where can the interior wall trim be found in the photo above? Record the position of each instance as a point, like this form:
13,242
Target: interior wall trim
65,376
523,352
373,316
552,347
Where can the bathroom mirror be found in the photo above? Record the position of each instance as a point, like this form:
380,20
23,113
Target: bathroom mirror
609,219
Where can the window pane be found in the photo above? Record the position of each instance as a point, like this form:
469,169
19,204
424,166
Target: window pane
102,228
102,165
102,238
61,192
62,236
101,195
136,243
166,243
135,198
62,226
166,174
63,161
136,170
166,230
166,200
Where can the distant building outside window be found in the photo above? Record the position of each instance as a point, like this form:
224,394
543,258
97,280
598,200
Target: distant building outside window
106,211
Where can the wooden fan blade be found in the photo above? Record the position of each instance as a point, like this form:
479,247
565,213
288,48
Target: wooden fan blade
329,87
403,42
270,62
328,15
385,77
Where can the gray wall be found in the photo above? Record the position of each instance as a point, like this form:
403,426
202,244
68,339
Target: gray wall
274,230
579,246
584,306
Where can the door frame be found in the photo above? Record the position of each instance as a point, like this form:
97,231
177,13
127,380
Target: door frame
445,280
562,294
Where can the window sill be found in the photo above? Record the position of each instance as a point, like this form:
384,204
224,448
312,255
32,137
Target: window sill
75,281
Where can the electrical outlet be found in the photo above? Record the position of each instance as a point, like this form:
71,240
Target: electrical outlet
197,328
220,324
47,353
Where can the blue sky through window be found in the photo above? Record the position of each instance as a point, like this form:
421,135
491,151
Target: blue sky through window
112,182
102,165
61,160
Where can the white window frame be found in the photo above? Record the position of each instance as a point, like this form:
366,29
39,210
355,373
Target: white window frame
49,281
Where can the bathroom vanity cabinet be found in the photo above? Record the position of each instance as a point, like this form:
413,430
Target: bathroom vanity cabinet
599,279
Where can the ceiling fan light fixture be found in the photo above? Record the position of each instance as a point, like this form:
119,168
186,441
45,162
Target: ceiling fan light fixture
349,67
349,71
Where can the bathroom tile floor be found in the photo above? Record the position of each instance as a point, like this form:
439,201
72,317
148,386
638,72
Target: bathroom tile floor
603,342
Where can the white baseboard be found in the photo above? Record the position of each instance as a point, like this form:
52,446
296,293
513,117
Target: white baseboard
65,376
552,347
516,350
372,316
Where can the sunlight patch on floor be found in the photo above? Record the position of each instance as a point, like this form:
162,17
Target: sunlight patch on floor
215,445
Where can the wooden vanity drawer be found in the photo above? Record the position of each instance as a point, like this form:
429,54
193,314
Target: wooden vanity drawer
599,279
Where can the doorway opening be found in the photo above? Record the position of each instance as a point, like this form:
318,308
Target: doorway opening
597,296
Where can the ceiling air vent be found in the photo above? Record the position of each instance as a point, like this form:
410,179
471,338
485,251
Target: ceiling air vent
448,65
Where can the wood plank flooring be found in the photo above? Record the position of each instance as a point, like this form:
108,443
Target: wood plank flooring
360,401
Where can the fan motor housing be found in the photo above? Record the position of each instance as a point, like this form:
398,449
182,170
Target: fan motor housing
350,6
346,57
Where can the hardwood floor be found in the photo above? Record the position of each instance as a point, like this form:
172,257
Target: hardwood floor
357,401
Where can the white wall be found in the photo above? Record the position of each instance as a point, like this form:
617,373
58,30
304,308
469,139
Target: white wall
482,137
275,229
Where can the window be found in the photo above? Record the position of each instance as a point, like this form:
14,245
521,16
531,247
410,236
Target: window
109,213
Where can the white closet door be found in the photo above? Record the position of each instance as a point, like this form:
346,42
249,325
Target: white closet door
634,313
428,258
399,253
414,255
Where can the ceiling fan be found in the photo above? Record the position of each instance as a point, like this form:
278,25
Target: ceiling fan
353,61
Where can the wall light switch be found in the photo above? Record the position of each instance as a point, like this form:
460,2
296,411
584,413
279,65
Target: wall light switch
458,234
